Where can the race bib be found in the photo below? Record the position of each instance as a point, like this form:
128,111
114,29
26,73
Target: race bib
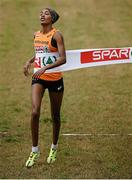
43,59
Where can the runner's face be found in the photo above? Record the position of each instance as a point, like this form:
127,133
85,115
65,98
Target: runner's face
45,17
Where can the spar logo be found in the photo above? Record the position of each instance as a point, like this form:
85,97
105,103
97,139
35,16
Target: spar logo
43,61
105,55
48,60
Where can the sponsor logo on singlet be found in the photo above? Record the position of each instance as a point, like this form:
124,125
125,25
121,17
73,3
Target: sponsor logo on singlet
42,49
41,42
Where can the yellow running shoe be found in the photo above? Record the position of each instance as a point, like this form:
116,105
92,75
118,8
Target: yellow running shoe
32,159
52,156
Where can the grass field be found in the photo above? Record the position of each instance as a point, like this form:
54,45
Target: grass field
97,100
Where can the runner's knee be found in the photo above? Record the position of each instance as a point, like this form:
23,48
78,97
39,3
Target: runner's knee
35,112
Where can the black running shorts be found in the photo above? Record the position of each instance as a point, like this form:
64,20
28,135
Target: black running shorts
52,86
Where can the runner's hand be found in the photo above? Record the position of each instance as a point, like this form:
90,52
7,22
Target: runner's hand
37,74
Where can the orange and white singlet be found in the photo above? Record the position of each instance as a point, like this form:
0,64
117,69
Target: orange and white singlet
46,53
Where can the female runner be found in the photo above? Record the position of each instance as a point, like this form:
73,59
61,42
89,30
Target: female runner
46,41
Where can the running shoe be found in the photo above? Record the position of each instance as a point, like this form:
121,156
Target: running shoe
52,156
32,159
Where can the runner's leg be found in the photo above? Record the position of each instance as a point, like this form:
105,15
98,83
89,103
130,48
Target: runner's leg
55,101
37,94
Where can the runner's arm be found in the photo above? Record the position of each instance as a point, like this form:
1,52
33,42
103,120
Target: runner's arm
61,50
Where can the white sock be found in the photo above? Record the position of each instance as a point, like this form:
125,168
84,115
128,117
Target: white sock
35,149
53,146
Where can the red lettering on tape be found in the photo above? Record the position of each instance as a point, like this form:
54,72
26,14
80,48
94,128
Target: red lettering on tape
37,63
105,55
